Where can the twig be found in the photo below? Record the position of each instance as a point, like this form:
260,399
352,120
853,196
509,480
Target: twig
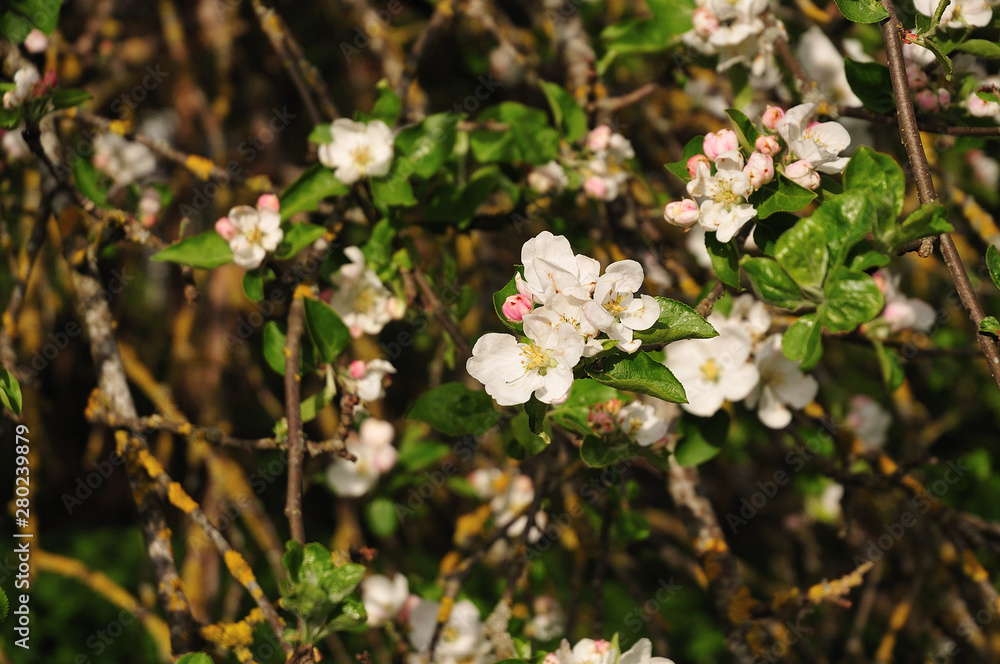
705,307
910,133
891,119
293,498
433,303
612,104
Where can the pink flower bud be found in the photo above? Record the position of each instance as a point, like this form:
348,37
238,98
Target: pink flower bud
36,41
46,85
772,116
595,187
767,145
268,202
802,174
225,228
944,98
692,163
916,78
357,369
602,646
515,306
705,22
927,100
599,137
683,213
760,169
717,142
552,658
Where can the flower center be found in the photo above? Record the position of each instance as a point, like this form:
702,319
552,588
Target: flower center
711,370
614,306
254,235
724,193
535,359
362,155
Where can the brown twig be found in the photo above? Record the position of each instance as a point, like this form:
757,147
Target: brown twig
910,133
892,120
293,498
705,307
272,27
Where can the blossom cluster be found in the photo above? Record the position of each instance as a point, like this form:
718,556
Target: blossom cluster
374,455
364,303
602,167
741,364
252,233
722,181
738,32
575,305
636,422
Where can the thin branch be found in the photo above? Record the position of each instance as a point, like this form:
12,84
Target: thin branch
272,27
433,304
892,120
293,345
705,307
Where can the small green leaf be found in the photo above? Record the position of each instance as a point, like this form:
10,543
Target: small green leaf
88,180
990,325
316,183
422,149
871,83
803,341
780,195
772,284
69,97
677,321
297,238
640,373
725,260
928,220
394,190
388,106
993,263
679,168
702,438
416,454
4,605
891,365
803,254
981,48
206,251
500,297
851,298
879,174
567,113
321,134
846,219
10,392
254,280
326,329
380,514
454,409
195,658
274,349
767,231
536,410
745,129
862,11
596,452
10,118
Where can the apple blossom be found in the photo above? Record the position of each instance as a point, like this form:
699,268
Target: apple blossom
36,41
485,481
384,598
724,140
257,232
25,79
360,298
462,640
819,144
723,207
550,177
124,160
548,621
705,22
357,150
372,445
771,117
642,653
869,421
640,423
782,384
515,306
927,100
615,310
367,378
981,108
760,169
823,62
692,163
802,173
596,187
767,145
550,267
599,138
916,77
683,213
587,651
752,314
959,13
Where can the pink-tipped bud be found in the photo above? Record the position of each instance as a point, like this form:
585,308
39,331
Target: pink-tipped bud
772,116
225,228
916,77
552,658
682,213
149,207
36,41
760,169
595,187
767,145
46,85
268,202
602,646
515,306
927,100
717,142
357,369
705,23
944,98
599,138
692,163
802,174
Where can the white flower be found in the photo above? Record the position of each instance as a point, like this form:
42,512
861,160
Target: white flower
587,651
13,144
869,420
125,161
695,243
639,422
752,314
484,481
959,13
36,41
615,310
980,107
550,177
826,506
607,171
361,299
683,213
372,446
801,173
714,370
901,312
641,653
782,384
508,507
24,79
549,621
817,143
462,639
723,207
512,371
824,64
550,267
384,598
253,232
369,385
357,150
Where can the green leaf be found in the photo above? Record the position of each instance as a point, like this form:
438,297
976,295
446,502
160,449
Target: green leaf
380,514
677,321
298,237
352,614
520,442
254,280
640,373
928,220
529,139
456,205
990,325
852,298
4,605
702,438
535,410
23,15
767,231
634,526
881,176
596,452
846,219
803,254
981,48
803,341
871,83
69,97
862,11
206,251
10,392
88,180
195,658
780,195
891,365
745,129
394,190
387,107
321,134
569,117
725,258
993,263
274,349
500,297
422,149
326,330
679,168
316,183
10,118
416,454
454,409
772,284
942,58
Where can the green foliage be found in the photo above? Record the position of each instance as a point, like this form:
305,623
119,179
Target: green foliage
745,129
725,257
569,117
91,182
677,321
701,438
500,297
206,250
305,193
194,658
387,107
993,264
637,372
380,514
850,298
254,280
275,334
422,149
326,330
69,97
296,238
19,17
679,168
528,137
4,605
862,11
318,591
455,410
10,391
772,284
535,410
871,83
990,325
780,195
647,35
803,341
